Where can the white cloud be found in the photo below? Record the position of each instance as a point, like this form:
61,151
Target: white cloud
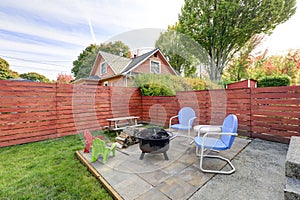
286,35
58,30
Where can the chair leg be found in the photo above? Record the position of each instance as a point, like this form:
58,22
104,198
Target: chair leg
105,157
95,154
215,171
166,156
87,147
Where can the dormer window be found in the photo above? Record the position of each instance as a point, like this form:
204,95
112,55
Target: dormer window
103,68
154,67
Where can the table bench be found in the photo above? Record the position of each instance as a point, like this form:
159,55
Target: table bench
119,123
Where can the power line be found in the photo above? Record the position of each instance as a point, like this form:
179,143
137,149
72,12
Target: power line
33,61
40,68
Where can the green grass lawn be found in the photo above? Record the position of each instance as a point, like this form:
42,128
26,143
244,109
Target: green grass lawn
47,170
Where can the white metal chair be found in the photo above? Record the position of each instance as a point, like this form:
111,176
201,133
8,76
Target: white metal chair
186,117
229,131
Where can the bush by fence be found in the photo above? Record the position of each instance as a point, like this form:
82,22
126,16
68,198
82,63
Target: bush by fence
272,81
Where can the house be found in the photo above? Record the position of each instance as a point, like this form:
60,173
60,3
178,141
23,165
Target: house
113,70
250,83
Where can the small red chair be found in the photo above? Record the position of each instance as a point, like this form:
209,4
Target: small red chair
88,140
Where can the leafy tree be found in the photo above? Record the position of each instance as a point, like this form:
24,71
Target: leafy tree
5,72
85,60
238,68
64,78
115,48
84,63
222,27
276,65
172,47
35,77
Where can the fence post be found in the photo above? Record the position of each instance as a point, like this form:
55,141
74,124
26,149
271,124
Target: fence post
56,107
251,111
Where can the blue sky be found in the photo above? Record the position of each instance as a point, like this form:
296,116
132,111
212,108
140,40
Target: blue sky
47,36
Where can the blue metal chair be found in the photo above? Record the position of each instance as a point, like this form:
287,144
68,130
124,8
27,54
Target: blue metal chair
229,131
186,117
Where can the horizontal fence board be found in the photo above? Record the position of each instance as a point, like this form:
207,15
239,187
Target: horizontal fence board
293,121
23,135
27,127
277,114
277,126
28,140
275,89
276,132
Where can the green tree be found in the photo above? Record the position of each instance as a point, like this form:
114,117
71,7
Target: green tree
238,68
222,27
35,77
84,63
5,72
85,58
115,48
171,45
275,65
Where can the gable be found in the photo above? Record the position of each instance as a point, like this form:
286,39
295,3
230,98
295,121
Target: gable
145,65
96,71
114,64
117,65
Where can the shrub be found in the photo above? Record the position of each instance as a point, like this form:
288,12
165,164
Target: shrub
154,89
166,85
196,83
270,81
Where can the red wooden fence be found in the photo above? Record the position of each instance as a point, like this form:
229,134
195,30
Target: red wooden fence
275,113
37,111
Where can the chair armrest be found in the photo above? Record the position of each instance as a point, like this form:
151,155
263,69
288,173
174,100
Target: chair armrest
171,120
191,120
217,133
205,126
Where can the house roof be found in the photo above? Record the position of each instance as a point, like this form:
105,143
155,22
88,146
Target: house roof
117,63
121,65
136,61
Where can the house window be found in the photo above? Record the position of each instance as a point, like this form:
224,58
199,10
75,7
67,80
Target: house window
154,67
103,68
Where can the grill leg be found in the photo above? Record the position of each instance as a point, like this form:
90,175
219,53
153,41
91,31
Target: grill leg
142,155
166,156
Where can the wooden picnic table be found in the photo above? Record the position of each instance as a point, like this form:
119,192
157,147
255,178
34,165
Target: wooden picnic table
120,123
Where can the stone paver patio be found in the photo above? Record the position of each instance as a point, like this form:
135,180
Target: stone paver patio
127,177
